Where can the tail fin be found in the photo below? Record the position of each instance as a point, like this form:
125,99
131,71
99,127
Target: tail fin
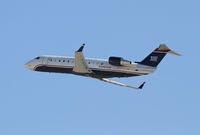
157,55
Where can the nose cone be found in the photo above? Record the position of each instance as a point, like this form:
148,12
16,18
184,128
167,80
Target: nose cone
26,66
29,66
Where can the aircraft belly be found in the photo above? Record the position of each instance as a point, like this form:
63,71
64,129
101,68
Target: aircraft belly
109,74
96,73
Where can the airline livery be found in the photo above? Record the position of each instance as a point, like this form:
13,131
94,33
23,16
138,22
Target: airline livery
100,69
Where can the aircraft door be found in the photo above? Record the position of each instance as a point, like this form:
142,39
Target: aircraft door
44,61
48,61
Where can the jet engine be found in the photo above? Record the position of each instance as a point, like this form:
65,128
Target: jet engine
119,61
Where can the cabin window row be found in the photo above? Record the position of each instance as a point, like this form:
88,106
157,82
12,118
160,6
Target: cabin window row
60,60
95,63
73,61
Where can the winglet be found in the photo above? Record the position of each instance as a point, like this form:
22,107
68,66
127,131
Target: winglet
81,48
141,86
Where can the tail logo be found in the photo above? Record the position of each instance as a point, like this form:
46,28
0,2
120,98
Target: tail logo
154,58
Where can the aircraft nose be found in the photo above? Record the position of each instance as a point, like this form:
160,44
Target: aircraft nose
28,66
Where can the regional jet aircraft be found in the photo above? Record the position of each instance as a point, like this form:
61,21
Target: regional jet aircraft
100,69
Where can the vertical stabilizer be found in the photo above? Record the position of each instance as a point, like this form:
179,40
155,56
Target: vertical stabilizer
157,55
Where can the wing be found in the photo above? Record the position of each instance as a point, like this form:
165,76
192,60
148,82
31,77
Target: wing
80,64
117,83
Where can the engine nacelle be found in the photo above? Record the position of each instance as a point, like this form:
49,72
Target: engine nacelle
119,61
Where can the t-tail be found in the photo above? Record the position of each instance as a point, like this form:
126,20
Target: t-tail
157,55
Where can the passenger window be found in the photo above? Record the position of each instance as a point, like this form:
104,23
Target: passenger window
68,61
59,60
37,58
63,60
89,62
101,63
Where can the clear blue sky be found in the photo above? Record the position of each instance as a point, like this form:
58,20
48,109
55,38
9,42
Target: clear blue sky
35,103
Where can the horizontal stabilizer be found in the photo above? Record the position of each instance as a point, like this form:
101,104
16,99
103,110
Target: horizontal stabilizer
175,53
164,49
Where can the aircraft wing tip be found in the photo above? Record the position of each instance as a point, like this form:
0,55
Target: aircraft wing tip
81,48
141,86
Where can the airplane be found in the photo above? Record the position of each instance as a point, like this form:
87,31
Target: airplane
100,69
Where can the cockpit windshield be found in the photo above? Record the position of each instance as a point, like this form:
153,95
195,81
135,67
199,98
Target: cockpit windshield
37,58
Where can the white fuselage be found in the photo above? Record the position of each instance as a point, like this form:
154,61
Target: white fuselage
60,64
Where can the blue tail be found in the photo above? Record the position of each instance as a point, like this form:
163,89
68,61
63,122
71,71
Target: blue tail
157,55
